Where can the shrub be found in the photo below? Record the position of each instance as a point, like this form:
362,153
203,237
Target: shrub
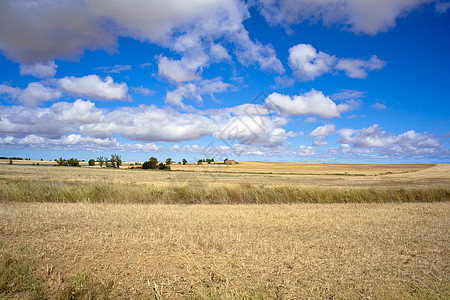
163,166
73,162
91,162
61,162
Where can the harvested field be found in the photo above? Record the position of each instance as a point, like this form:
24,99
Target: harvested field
226,251
85,233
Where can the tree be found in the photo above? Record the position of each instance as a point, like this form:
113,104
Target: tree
73,162
168,161
152,163
91,162
101,160
163,166
184,161
116,160
61,162
10,161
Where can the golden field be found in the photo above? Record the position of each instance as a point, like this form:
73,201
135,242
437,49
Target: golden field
247,231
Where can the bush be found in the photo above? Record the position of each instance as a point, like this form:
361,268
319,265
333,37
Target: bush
73,162
61,162
163,166
152,163
91,162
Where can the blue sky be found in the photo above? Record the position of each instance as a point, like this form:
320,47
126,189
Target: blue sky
315,81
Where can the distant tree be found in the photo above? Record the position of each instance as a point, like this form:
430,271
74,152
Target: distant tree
42,159
116,160
91,162
61,162
163,166
184,161
101,160
168,161
73,162
10,161
152,163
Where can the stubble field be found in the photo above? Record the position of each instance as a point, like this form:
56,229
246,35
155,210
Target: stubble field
303,231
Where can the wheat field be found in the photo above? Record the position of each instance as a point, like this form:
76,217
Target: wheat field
91,233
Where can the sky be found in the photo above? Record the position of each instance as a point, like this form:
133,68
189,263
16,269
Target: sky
336,81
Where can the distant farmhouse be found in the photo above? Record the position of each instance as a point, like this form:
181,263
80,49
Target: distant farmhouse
230,162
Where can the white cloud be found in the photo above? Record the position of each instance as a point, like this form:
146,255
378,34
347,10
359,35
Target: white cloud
61,118
255,130
74,142
308,63
357,68
321,132
374,140
194,91
195,30
142,90
310,103
93,86
307,151
378,106
176,96
35,93
150,124
250,52
39,70
368,16
326,130
176,71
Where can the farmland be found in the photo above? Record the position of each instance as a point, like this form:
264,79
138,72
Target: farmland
252,230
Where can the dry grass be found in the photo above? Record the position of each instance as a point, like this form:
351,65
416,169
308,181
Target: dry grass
306,168
106,245
233,251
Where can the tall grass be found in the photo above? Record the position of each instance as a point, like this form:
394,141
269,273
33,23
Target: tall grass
110,192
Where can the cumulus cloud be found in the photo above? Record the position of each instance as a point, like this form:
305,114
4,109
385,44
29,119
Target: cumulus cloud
39,31
176,71
150,124
326,130
61,118
35,93
194,91
39,70
176,96
310,103
321,132
307,151
74,142
93,86
308,63
372,139
255,130
368,17
357,68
